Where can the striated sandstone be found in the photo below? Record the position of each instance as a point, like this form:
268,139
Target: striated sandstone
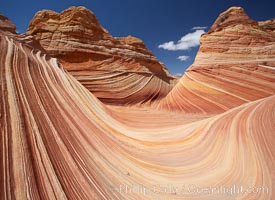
6,24
58,141
116,70
237,40
268,24
235,64
232,17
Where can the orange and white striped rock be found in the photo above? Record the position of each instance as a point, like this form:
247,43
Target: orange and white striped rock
58,141
116,70
234,65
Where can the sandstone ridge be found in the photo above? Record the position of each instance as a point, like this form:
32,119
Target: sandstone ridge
235,64
97,59
6,24
58,141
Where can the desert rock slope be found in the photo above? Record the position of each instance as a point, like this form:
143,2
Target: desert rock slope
116,70
234,65
215,129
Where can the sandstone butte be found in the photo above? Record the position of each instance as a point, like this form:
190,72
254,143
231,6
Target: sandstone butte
234,65
215,129
117,70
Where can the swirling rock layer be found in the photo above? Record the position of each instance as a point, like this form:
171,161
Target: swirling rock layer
58,141
234,65
116,70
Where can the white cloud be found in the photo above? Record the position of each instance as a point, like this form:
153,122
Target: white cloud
186,42
183,58
199,27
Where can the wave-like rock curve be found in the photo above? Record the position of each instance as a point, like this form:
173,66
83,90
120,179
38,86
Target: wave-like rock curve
58,141
234,65
116,70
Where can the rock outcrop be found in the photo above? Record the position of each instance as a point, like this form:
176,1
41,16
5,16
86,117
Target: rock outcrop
6,24
235,64
268,24
58,141
236,39
116,70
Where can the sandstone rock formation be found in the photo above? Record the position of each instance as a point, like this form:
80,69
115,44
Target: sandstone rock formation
268,24
10,30
6,24
116,70
58,141
234,65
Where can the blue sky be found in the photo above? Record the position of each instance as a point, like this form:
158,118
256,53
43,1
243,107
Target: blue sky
166,26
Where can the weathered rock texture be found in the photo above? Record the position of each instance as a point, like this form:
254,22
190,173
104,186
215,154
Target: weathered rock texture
6,24
116,70
235,64
58,141
268,24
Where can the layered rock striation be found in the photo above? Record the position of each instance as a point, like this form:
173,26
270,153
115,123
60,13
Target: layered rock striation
116,70
6,24
235,64
58,141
